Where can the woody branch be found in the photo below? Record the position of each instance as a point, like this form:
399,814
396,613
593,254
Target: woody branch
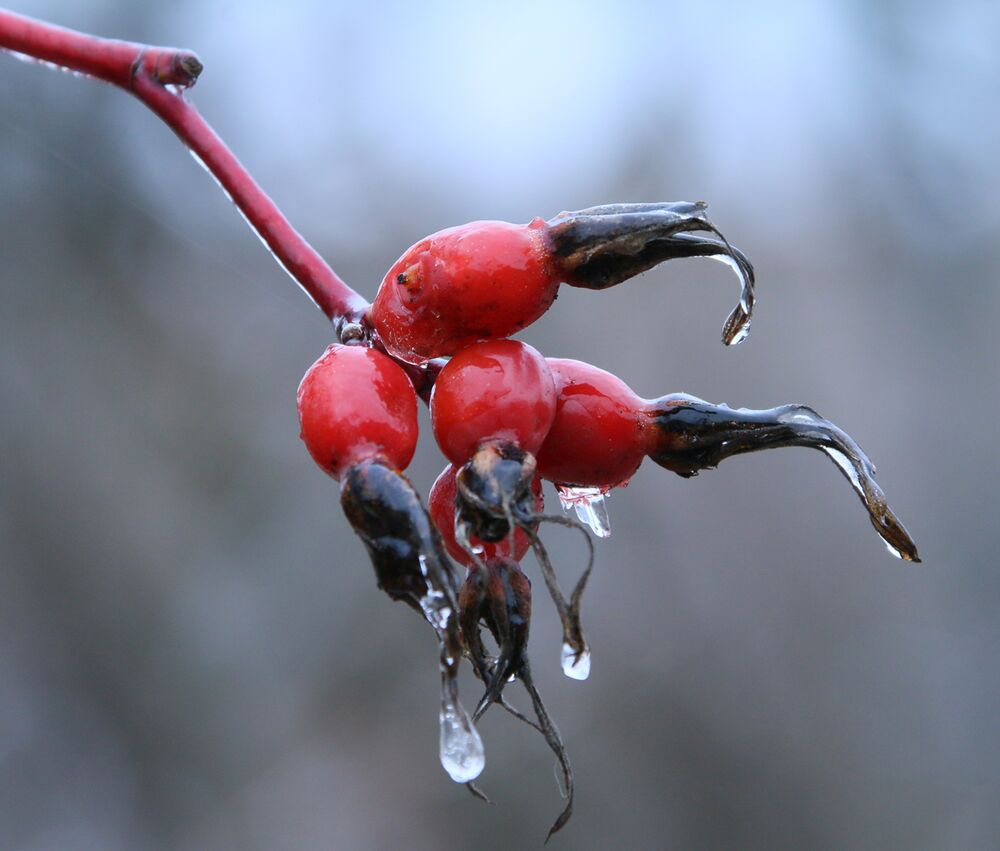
159,78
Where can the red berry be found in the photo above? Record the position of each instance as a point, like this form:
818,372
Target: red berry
495,391
356,404
441,504
597,436
486,280
475,282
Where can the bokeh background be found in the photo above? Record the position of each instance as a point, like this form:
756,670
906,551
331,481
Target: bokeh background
193,653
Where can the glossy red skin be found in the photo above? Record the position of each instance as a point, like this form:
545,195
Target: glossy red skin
354,404
479,281
497,390
441,504
597,438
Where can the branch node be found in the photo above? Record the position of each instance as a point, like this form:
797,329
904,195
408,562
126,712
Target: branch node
191,66
176,69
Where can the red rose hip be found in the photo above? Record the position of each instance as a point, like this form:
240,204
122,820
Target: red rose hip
489,279
474,282
496,391
441,502
356,404
596,438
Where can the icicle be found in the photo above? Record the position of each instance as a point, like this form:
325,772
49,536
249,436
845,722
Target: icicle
462,753
590,506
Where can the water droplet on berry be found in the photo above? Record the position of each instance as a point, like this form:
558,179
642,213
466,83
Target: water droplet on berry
462,753
590,506
575,665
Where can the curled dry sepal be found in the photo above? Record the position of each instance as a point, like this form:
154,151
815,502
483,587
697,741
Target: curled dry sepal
504,416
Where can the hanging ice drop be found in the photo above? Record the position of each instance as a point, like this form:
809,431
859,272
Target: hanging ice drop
576,667
590,506
737,327
462,753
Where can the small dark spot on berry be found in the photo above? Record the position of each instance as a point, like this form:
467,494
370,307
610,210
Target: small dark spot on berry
401,278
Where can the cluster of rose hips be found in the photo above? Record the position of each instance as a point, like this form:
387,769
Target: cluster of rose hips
505,418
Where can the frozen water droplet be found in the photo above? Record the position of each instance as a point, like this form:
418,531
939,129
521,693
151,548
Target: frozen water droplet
575,667
462,753
434,603
738,325
590,506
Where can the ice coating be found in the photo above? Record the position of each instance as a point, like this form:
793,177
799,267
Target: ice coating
434,603
385,511
461,748
602,246
690,435
590,505
557,770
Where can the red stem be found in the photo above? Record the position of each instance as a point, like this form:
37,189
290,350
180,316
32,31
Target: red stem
158,76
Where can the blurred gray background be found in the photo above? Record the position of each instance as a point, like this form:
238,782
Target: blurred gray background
193,653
